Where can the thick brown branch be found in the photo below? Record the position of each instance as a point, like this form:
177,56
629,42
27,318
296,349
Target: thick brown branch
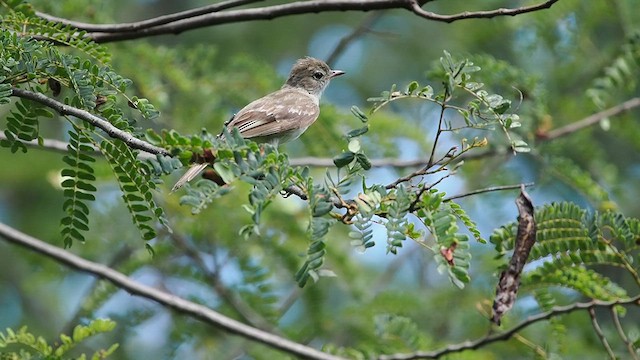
176,303
475,344
203,17
92,119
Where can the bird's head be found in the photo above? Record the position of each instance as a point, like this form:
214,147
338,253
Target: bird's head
312,75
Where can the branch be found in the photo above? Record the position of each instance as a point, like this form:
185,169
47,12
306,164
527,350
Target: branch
623,336
601,336
363,28
61,146
88,302
383,162
212,15
489,189
241,308
144,24
94,120
475,344
590,120
189,308
417,9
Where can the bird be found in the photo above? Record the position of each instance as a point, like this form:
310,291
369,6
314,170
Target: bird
282,115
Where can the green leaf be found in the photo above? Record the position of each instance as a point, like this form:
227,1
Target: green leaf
363,161
358,132
225,171
359,114
344,159
412,87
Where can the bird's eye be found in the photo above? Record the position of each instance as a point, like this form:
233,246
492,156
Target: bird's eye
318,75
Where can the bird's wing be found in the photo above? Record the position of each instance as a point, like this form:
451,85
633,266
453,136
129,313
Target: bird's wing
279,112
189,175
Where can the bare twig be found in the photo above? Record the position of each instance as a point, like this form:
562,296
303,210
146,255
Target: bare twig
242,308
489,189
208,17
176,303
475,344
591,120
439,131
417,9
623,335
598,330
363,28
94,120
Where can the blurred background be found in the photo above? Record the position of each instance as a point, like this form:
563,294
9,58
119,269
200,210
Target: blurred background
557,66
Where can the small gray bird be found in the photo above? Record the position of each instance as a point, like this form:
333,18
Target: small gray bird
282,115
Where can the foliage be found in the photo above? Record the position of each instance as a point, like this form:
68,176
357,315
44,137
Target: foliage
269,227
28,346
619,76
570,242
33,59
269,173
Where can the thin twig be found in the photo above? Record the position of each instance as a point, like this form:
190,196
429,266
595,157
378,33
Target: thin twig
363,28
92,119
488,189
424,188
174,302
623,336
439,131
475,344
242,308
598,330
590,120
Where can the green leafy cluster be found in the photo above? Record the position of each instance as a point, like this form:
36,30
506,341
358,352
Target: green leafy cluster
22,19
619,76
78,186
581,180
478,108
451,248
570,242
396,221
31,59
29,346
320,205
257,288
23,125
134,180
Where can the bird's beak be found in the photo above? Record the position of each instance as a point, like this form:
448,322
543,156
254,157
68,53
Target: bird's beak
336,73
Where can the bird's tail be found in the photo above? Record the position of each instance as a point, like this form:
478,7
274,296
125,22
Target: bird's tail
191,173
